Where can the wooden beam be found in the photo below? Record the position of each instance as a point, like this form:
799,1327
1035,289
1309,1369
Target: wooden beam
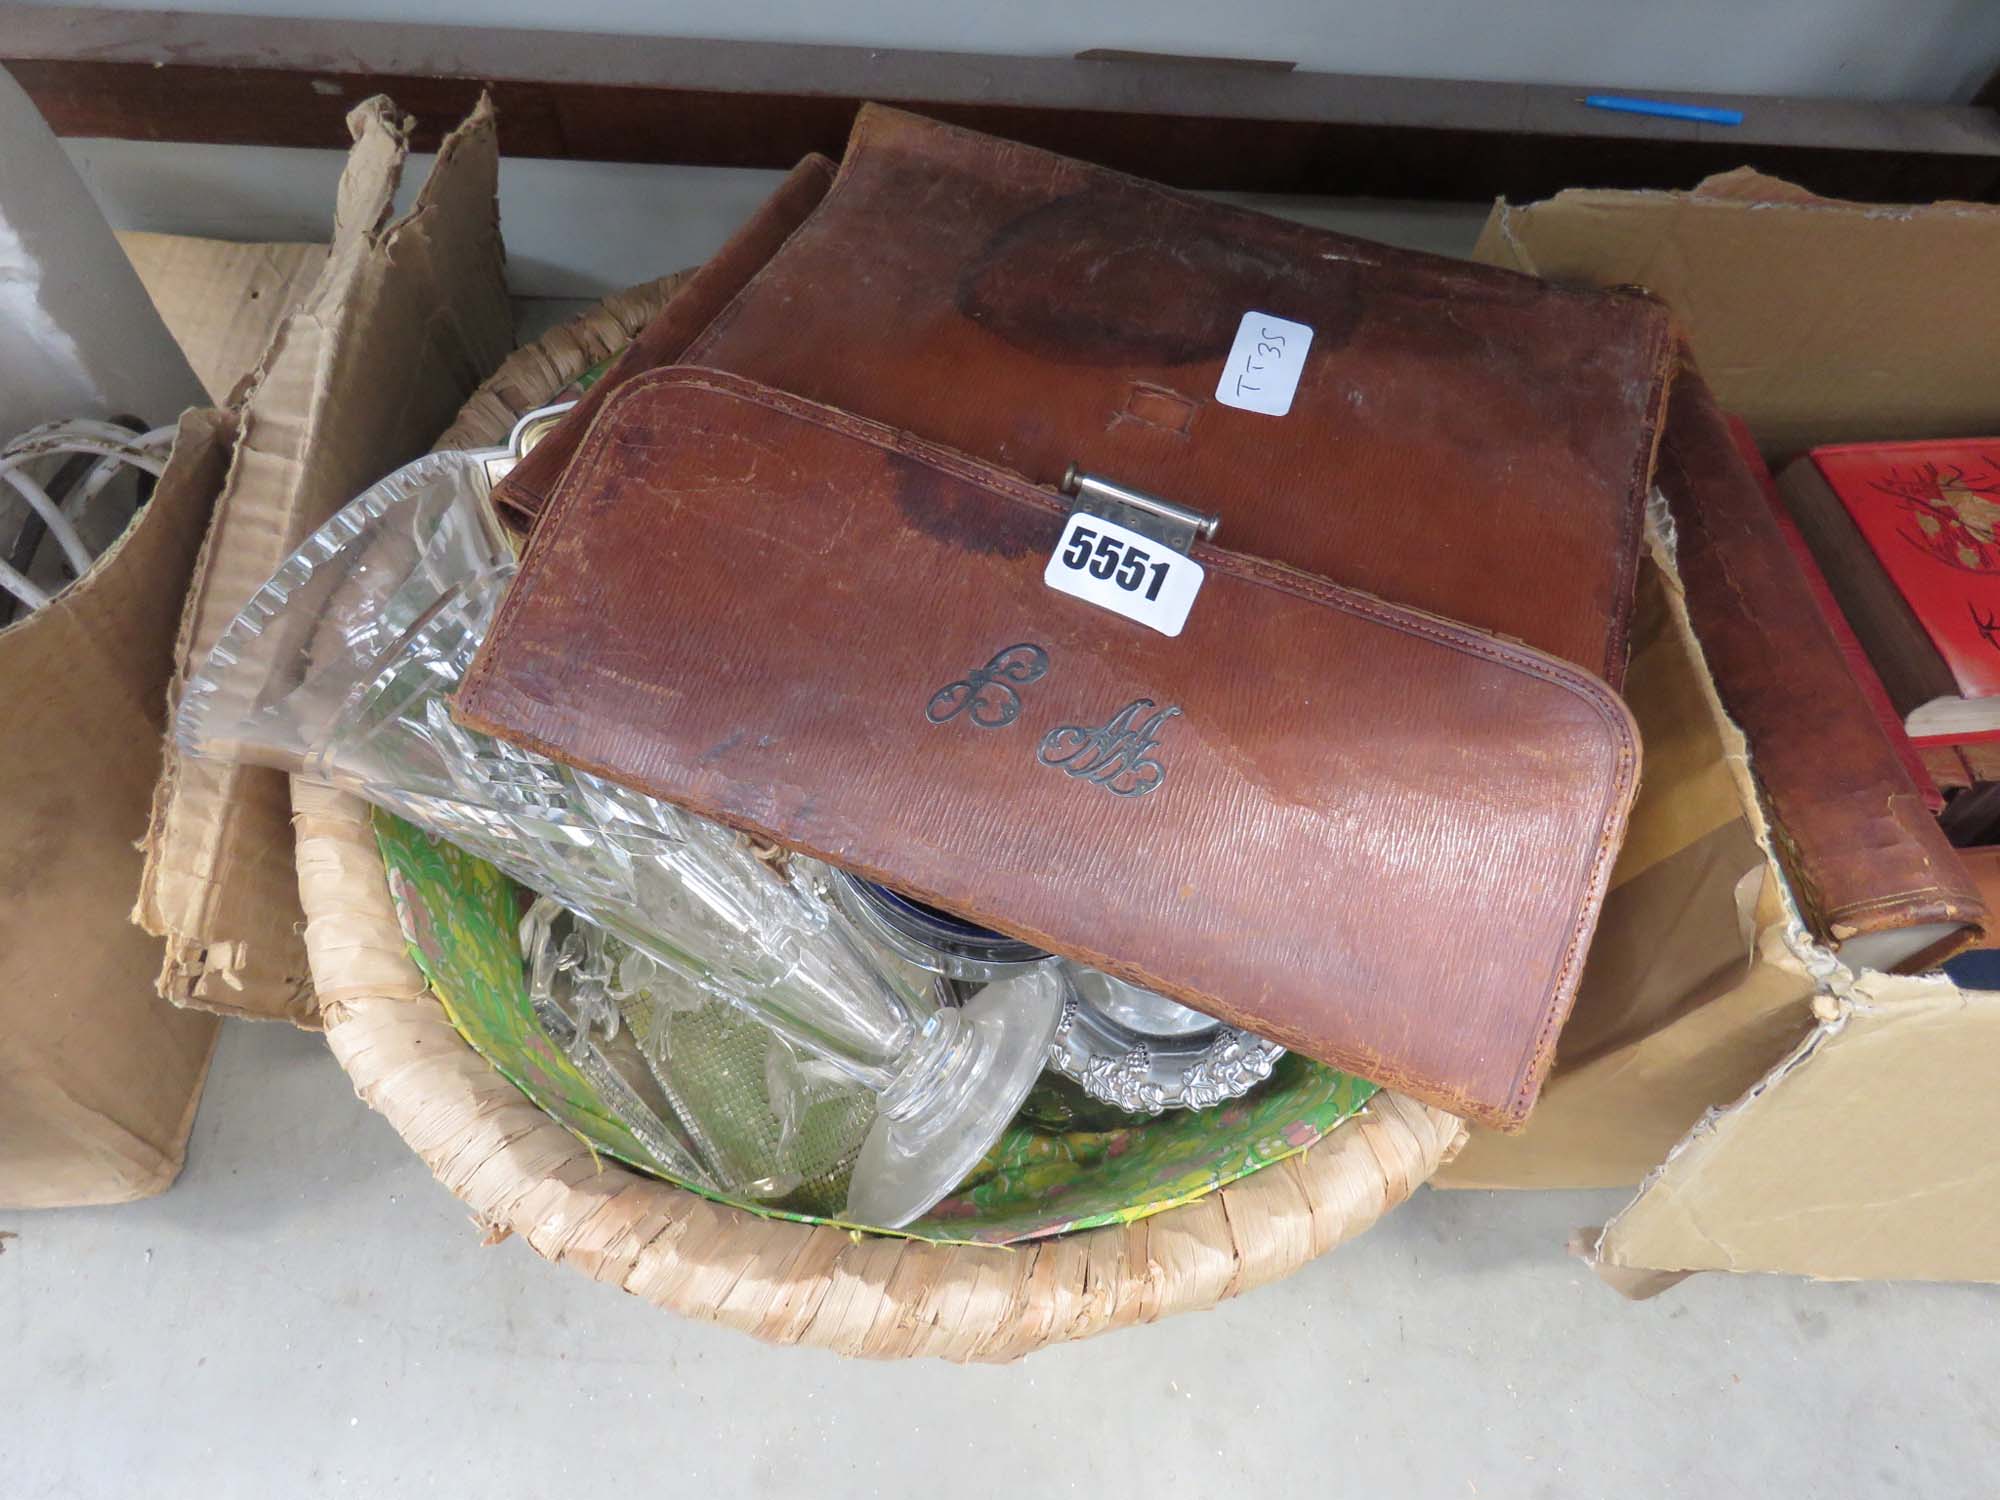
171,76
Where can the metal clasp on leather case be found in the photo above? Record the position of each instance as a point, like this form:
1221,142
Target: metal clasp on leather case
1174,525
530,430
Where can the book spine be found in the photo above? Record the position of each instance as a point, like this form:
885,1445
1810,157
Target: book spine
1858,665
1906,662
1858,845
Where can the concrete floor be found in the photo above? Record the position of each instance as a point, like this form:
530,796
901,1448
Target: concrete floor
307,1313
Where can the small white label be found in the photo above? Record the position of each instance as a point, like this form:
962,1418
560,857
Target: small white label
1116,568
1262,371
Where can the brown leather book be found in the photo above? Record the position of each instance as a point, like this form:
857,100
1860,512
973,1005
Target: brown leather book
1454,437
1369,833
1872,870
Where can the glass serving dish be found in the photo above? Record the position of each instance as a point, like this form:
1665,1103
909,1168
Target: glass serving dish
341,669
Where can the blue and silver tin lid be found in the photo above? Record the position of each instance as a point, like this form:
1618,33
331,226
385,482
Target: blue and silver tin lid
930,938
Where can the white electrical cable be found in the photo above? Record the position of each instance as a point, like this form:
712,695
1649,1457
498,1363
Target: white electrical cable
109,468
20,588
101,474
81,428
139,458
51,514
116,448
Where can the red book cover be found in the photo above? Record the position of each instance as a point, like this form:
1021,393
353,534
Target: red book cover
1930,512
1859,667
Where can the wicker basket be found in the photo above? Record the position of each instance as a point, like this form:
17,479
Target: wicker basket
792,1283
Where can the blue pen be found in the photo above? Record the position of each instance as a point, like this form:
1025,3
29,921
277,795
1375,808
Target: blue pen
1702,113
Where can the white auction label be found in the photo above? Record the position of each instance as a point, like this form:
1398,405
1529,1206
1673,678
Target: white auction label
1262,371
1116,568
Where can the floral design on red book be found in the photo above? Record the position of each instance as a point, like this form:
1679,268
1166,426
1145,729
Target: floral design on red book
1955,515
1930,512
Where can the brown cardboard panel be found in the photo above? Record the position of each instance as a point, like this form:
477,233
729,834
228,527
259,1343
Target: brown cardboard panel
1690,788
98,1077
1689,994
1867,1152
1608,1121
1675,940
404,320
1816,320
1674,932
223,301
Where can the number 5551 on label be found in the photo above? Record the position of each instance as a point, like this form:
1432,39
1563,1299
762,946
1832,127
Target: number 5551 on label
1123,571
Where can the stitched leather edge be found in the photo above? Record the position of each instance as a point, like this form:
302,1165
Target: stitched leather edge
1632,515
1611,710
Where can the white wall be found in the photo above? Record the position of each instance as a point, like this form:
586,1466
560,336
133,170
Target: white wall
1919,50
78,335
581,229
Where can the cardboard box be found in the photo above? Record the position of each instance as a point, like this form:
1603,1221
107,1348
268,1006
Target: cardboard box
1778,1111
223,301
403,318
98,1077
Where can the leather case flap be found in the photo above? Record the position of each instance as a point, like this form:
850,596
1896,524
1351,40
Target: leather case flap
1366,832
1457,430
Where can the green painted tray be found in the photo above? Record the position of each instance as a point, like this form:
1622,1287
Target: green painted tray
459,916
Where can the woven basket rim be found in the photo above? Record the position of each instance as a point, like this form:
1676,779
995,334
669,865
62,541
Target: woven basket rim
522,1172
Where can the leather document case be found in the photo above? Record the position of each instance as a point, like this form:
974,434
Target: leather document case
1872,870
1369,833
1462,439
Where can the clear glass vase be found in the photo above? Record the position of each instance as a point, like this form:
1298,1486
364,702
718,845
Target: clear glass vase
714,1097
341,669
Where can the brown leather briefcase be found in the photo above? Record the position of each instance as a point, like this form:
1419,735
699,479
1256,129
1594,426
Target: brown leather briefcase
1369,833
1460,438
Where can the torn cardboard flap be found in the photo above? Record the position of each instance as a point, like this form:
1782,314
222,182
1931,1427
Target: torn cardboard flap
403,321
1691,988
1608,1120
1866,1152
98,1078
223,301
1815,320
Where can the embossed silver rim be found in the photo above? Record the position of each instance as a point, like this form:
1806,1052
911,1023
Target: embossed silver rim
1149,1074
1140,1072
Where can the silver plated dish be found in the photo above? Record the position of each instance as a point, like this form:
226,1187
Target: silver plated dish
1144,1053
1125,1046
